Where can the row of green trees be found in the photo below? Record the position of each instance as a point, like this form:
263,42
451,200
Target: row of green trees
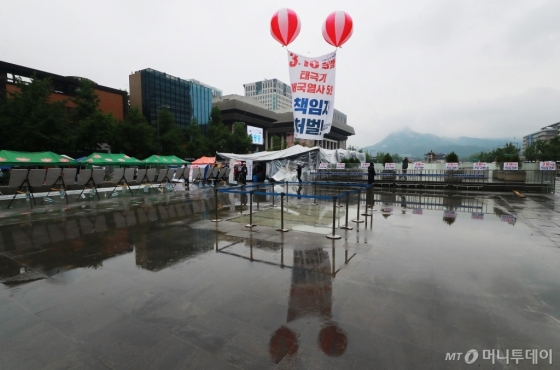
544,150
30,121
507,153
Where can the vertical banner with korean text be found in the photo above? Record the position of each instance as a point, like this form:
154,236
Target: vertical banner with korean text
312,82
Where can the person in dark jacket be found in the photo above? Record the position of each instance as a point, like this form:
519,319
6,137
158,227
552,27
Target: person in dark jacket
371,174
405,163
243,174
298,170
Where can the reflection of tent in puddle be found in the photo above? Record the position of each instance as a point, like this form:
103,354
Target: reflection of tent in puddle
504,216
510,219
449,217
386,212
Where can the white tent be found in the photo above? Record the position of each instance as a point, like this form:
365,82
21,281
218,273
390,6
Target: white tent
325,155
269,156
281,164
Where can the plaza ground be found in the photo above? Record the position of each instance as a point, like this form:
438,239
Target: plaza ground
149,282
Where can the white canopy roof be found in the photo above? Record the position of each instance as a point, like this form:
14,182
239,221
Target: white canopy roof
269,156
325,155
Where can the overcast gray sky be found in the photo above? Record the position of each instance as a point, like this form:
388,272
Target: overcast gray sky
449,67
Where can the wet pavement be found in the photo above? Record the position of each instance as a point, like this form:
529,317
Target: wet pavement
149,282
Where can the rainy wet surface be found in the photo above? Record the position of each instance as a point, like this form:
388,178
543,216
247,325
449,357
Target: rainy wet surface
149,282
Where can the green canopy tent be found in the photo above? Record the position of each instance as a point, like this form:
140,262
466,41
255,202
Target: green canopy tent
27,159
164,160
33,159
105,159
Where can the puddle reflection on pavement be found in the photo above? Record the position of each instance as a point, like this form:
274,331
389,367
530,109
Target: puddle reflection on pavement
150,282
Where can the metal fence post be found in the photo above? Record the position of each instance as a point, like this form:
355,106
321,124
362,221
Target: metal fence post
250,224
338,194
346,227
333,235
315,194
366,214
216,219
241,200
357,220
282,229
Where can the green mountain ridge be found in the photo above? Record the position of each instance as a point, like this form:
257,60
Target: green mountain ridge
416,144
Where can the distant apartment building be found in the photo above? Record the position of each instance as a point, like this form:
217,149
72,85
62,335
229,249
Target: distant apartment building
63,88
151,91
275,95
545,134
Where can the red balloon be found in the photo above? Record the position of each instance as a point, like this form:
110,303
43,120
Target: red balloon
338,28
285,26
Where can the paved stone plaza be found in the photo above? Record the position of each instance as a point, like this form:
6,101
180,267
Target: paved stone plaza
149,282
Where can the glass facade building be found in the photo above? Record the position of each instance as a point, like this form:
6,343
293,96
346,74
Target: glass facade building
152,91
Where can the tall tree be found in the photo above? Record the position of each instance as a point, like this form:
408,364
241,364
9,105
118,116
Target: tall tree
99,128
276,143
240,141
218,133
94,127
134,136
387,158
196,142
452,158
397,157
171,137
544,151
30,122
86,101
379,157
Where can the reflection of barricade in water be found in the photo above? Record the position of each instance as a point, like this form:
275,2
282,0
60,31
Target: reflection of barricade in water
464,178
420,200
316,191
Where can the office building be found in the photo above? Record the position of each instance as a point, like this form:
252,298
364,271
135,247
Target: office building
151,91
545,134
255,115
216,93
274,94
63,88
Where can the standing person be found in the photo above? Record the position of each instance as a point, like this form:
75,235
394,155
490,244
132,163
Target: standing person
236,172
370,180
371,174
405,163
298,170
243,174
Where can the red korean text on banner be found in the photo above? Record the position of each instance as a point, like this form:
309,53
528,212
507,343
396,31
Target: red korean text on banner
312,81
